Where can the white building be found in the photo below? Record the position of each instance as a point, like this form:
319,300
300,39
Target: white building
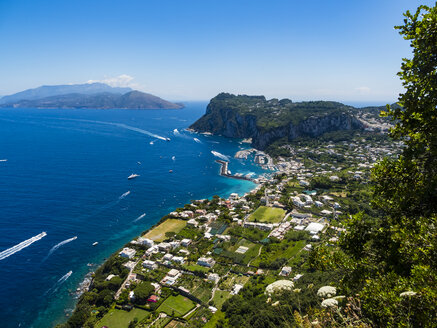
206,262
186,242
178,259
145,242
150,265
285,271
127,253
214,277
314,227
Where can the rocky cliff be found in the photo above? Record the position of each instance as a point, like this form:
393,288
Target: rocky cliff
266,121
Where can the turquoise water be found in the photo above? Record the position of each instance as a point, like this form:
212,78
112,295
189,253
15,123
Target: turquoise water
66,175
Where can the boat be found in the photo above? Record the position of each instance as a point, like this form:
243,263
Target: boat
95,243
167,139
132,176
170,171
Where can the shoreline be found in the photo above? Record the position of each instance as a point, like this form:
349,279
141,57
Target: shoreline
87,281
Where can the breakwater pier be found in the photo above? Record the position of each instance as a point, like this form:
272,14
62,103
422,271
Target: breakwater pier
224,171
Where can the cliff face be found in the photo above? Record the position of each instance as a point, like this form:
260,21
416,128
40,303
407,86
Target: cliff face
232,116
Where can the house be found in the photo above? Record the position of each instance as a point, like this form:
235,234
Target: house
175,244
200,212
314,227
131,295
167,257
285,271
214,277
127,253
109,277
236,289
186,242
206,262
173,273
234,196
153,299
192,223
150,265
318,204
326,212
297,277
145,242
164,247
178,259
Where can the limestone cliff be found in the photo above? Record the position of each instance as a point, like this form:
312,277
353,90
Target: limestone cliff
268,120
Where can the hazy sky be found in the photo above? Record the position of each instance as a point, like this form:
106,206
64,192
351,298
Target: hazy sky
191,50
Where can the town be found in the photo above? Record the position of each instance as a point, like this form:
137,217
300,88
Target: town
182,271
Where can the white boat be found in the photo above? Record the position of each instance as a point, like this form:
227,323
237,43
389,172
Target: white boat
132,176
95,243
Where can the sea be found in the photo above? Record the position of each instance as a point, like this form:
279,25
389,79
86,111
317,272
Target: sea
64,186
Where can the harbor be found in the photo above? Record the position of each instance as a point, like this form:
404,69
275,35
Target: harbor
224,171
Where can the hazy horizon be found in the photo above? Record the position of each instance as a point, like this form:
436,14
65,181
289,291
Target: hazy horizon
192,50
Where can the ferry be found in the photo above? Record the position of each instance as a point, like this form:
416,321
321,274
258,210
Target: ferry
132,176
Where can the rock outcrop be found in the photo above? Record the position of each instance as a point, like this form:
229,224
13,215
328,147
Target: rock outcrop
245,117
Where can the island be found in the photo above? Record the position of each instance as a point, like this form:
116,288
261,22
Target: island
90,95
258,259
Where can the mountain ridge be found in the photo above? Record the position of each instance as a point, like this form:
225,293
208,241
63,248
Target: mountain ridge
93,95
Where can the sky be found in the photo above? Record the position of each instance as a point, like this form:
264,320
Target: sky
341,50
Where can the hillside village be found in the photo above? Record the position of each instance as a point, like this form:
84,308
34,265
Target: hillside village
185,271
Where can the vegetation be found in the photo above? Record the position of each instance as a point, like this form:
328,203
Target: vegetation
176,305
170,225
267,215
393,255
121,319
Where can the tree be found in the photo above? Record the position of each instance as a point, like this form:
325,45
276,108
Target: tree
394,268
142,292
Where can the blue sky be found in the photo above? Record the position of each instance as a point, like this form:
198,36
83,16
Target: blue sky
192,50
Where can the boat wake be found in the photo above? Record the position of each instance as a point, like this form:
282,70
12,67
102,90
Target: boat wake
59,283
140,217
10,251
125,126
54,248
180,135
219,155
3,160
124,195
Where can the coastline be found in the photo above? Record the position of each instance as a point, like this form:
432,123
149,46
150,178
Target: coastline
87,280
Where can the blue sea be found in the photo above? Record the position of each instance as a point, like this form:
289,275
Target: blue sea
66,175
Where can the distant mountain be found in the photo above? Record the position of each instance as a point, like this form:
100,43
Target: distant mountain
57,90
106,100
90,95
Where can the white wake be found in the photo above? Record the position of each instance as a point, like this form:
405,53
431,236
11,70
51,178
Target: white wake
140,217
219,155
54,248
124,195
10,251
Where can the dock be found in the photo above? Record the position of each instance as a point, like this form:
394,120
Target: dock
224,171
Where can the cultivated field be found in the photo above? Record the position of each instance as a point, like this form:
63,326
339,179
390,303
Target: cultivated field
120,318
267,214
169,225
176,305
